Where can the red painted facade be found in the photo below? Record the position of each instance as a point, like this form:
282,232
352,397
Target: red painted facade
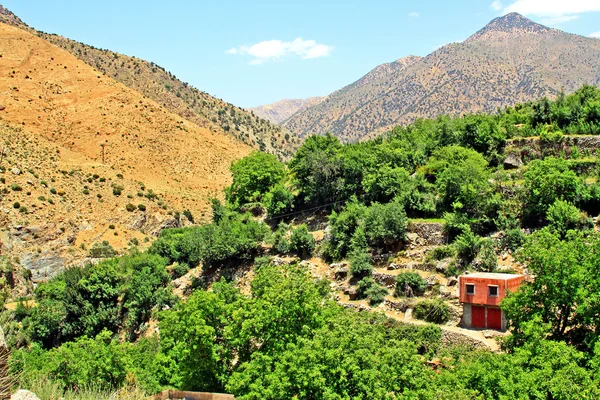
482,283
481,294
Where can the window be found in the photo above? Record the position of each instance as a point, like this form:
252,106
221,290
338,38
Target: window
492,290
470,289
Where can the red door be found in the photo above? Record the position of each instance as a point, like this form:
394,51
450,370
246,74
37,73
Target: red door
478,316
494,318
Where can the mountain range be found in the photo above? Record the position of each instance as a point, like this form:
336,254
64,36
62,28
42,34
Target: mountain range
511,60
281,110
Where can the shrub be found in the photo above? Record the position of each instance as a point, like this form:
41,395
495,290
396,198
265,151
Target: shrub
16,188
102,250
23,210
86,191
435,311
117,190
188,215
563,216
130,207
16,205
439,253
376,294
411,279
467,246
141,207
278,201
486,260
302,242
513,239
360,263
53,190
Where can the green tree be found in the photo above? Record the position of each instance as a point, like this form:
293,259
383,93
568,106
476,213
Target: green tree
253,177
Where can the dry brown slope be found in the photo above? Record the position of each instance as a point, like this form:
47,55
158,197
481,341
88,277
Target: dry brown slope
511,60
53,94
176,96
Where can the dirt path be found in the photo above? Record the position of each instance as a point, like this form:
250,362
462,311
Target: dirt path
406,317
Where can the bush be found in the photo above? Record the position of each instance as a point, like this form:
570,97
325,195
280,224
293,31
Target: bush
130,207
141,207
102,250
563,216
16,188
486,260
278,201
467,246
439,253
413,280
302,242
513,239
16,205
376,294
360,264
435,311
188,215
368,288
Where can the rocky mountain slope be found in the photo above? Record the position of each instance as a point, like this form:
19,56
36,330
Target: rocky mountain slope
511,60
281,110
81,152
174,95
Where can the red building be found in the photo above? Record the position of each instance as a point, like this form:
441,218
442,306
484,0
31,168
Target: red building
481,294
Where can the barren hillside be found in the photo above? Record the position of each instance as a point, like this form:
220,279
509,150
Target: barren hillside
509,61
71,118
174,95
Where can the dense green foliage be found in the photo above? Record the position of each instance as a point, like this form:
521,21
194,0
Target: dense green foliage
116,294
232,239
287,338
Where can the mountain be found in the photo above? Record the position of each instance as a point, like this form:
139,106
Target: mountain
511,60
174,95
281,110
80,151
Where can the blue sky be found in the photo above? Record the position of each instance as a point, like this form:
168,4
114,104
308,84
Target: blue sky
256,52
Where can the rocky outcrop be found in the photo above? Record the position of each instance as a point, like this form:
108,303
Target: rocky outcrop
386,280
457,339
428,233
24,395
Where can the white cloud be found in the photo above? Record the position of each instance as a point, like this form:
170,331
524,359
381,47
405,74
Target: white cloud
552,12
413,14
595,35
496,5
271,50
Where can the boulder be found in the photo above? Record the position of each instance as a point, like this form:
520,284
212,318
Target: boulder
24,395
443,265
452,281
15,171
351,293
341,273
513,161
393,266
386,280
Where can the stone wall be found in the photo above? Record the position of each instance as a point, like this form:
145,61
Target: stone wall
432,233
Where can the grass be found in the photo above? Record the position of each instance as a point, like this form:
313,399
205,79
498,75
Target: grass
47,389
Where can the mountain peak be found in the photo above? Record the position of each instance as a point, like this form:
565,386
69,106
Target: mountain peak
509,23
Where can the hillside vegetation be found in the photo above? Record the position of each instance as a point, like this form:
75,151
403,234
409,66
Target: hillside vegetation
509,61
254,318
174,95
